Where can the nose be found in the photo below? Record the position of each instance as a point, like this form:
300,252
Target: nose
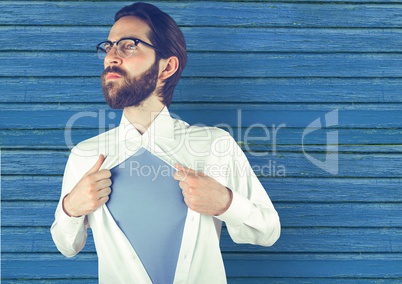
112,58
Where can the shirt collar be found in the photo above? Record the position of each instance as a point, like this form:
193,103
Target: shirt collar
161,127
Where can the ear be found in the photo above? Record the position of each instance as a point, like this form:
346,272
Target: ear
168,66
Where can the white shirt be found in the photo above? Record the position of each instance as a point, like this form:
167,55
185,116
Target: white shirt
251,217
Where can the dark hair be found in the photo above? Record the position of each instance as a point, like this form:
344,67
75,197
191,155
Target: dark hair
165,35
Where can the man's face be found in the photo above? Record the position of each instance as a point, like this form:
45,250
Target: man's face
131,80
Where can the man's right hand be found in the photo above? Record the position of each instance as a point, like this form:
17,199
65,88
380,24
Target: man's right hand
90,192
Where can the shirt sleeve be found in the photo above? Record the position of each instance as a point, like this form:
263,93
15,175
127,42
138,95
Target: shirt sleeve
251,217
69,233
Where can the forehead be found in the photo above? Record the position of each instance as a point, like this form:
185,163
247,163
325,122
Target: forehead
129,26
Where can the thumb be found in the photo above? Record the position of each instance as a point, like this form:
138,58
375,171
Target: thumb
95,168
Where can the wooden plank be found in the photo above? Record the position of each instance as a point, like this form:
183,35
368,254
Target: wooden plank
300,240
336,190
286,139
31,188
231,65
310,280
48,188
155,2
50,281
323,1
280,165
349,214
212,39
237,265
228,116
348,265
256,145
349,165
236,280
216,90
49,266
35,240
346,215
271,139
34,163
212,13
324,240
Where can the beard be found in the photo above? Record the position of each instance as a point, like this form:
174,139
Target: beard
133,91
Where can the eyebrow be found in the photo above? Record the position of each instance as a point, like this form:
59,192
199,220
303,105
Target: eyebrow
129,36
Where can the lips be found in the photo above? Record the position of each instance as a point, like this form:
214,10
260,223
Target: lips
112,76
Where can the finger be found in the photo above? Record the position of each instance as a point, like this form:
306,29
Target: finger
183,185
180,176
186,173
103,199
185,169
95,168
189,171
98,176
103,174
185,194
104,183
104,192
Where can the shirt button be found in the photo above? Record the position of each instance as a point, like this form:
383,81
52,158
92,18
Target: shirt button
133,257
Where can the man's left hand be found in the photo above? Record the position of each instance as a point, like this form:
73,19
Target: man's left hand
202,193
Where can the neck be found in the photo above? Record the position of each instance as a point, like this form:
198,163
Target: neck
142,116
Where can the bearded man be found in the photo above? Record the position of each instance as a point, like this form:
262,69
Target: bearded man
151,224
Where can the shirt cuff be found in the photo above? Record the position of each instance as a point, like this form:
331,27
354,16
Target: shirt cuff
238,211
69,224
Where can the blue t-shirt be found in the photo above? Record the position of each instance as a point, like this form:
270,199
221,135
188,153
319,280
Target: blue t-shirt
148,206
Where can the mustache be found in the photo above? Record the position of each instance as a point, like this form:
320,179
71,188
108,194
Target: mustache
114,69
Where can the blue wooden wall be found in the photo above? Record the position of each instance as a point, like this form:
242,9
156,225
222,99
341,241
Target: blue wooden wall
282,67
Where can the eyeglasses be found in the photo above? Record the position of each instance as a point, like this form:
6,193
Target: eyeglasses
125,47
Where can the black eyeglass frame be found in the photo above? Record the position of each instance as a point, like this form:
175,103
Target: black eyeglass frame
136,42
